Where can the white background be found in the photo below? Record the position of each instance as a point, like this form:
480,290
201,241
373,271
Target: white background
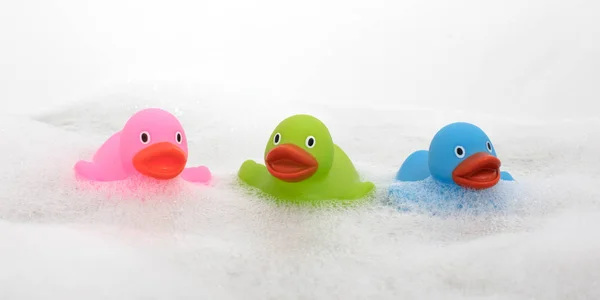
384,75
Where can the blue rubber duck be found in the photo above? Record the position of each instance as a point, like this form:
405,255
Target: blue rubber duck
460,170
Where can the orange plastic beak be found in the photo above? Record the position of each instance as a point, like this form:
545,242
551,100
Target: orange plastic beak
291,163
478,171
160,161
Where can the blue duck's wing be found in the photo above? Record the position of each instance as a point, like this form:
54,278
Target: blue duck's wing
415,167
506,176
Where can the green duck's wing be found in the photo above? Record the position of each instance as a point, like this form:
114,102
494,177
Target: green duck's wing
359,190
344,180
343,169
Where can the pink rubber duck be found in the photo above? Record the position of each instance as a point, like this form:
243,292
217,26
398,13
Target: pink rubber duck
152,144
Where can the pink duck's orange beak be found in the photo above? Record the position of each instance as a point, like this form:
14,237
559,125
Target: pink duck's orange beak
160,161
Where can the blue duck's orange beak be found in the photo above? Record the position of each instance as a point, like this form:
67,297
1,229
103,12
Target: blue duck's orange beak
290,163
160,161
478,171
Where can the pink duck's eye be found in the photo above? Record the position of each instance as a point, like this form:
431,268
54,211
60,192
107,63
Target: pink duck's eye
178,137
145,137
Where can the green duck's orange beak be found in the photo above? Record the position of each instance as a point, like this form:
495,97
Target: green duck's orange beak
291,163
478,171
160,161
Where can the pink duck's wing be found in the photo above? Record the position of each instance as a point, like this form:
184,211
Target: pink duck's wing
196,174
106,165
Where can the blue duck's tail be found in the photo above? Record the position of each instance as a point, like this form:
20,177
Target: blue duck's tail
415,167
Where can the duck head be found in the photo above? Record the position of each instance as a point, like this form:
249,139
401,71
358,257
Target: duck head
300,148
154,144
462,154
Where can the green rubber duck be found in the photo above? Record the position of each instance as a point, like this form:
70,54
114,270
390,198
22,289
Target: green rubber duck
303,164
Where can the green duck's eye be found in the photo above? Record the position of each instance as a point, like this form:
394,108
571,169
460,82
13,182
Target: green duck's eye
277,138
310,141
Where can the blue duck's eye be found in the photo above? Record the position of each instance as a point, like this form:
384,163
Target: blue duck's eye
277,138
459,151
310,141
144,137
489,146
